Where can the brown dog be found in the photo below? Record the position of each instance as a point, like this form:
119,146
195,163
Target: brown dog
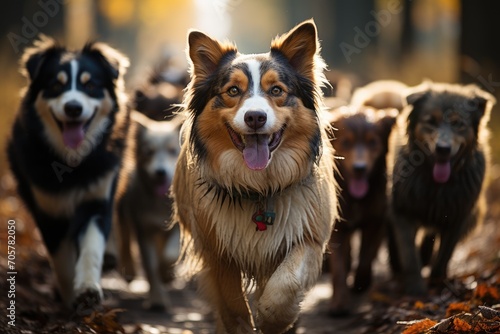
438,176
361,143
254,188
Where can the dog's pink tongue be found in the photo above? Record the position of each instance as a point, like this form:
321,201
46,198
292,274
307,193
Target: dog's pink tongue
73,134
163,188
256,151
358,187
441,171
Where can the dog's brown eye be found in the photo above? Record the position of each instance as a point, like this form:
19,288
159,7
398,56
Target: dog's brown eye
89,86
233,91
276,91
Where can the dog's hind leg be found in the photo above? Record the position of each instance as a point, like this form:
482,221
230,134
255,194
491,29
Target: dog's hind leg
222,287
279,303
92,244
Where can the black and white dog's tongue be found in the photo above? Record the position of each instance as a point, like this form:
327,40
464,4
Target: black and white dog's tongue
256,152
73,134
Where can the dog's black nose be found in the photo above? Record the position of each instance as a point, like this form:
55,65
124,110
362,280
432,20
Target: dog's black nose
161,173
443,149
73,109
255,119
359,167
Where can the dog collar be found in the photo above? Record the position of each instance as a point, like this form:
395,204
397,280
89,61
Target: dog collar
265,215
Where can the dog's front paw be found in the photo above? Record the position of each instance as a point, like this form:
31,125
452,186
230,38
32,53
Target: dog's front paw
87,301
88,296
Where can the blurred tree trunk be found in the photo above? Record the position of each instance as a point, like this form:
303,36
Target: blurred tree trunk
479,44
79,22
407,35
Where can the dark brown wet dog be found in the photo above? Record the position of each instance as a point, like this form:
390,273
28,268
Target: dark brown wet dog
439,176
361,143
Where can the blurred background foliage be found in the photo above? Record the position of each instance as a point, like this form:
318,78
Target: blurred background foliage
363,40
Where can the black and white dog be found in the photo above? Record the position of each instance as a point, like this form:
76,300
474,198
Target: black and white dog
65,152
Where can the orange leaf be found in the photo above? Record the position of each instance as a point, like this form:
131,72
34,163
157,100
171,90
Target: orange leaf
455,308
419,305
461,325
419,327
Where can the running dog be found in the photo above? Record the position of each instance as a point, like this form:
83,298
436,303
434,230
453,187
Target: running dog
361,142
254,189
438,179
65,151
143,204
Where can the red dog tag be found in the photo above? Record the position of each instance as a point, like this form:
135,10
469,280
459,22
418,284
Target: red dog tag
262,219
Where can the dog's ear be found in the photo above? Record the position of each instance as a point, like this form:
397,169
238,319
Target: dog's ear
113,61
415,97
206,53
482,101
300,46
418,93
480,104
34,57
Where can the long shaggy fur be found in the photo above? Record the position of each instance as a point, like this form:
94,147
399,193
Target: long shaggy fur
216,194
449,209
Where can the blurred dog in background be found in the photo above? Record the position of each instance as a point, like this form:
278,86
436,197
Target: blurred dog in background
361,144
438,179
144,206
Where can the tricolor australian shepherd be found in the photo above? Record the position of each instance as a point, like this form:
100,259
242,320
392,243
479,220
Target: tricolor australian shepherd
441,160
254,188
65,151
